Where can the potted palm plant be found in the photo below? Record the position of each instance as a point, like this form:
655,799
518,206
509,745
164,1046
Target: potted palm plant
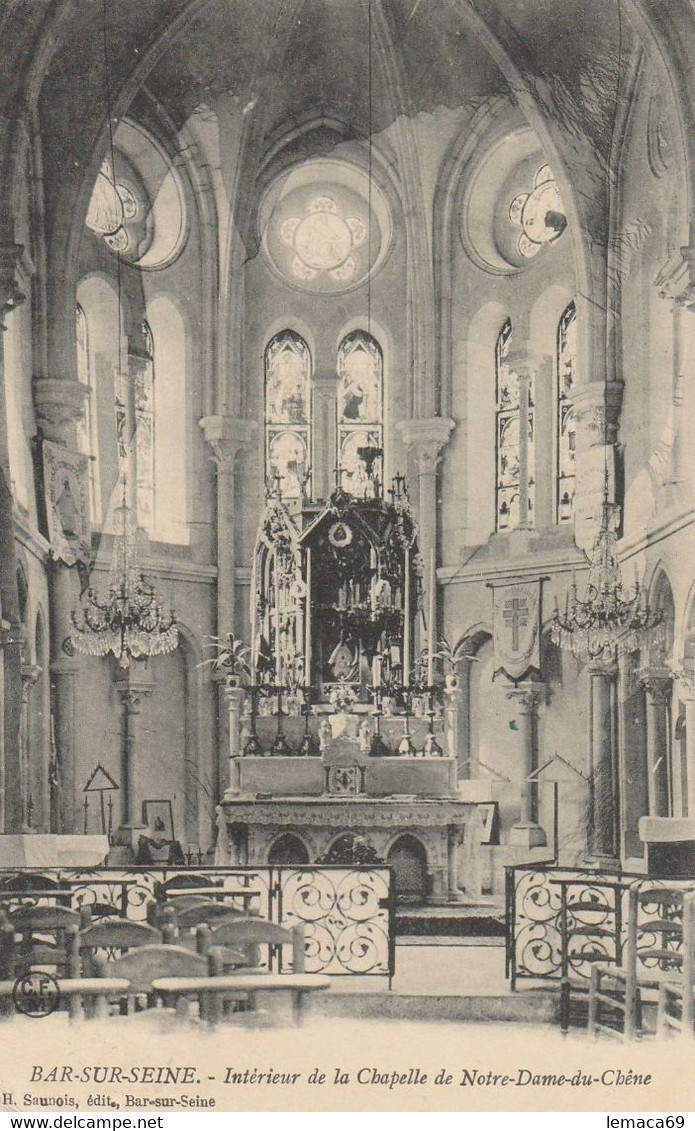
231,659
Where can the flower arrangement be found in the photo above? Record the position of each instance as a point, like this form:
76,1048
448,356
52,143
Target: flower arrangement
342,697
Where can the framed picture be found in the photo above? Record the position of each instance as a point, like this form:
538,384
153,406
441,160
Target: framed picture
158,816
490,818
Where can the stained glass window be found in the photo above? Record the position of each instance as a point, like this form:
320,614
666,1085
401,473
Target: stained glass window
360,414
288,414
144,433
566,428
511,474
87,440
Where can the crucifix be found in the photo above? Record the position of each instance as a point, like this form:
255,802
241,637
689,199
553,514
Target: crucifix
516,615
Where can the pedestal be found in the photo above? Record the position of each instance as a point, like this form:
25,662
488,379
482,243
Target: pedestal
131,691
526,832
604,815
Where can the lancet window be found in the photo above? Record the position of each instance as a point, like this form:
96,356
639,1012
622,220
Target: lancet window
360,414
514,451
566,430
288,415
144,434
87,438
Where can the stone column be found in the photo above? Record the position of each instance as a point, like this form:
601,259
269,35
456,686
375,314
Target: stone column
132,691
604,789
658,688
524,363
597,415
59,404
426,439
30,674
324,457
527,832
455,840
15,282
227,436
457,709
684,786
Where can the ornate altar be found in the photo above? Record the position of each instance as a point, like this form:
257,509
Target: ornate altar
339,727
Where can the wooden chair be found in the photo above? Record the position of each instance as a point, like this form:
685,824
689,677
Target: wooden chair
41,936
251,936
188,913
676,1001
143,966
217,989
116,937
652,952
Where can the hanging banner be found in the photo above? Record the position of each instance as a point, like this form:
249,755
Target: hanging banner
591,468
516,622
66,490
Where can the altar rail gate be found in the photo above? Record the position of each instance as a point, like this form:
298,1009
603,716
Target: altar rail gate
348,912
560,921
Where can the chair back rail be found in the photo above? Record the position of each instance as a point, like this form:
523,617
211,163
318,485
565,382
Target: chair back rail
201,911
143,965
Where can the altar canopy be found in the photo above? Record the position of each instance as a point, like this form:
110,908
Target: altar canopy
336,589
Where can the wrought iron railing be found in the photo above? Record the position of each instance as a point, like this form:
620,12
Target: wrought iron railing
560,921
348,912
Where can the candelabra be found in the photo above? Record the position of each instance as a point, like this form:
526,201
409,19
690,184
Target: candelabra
128,620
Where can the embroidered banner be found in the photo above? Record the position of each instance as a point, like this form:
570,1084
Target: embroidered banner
67,502
516,614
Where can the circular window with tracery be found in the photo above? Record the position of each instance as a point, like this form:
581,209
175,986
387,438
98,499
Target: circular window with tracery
325,235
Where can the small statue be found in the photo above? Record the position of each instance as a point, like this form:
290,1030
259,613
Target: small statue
364,736
325,735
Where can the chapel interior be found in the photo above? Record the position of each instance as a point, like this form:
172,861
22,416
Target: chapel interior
347,484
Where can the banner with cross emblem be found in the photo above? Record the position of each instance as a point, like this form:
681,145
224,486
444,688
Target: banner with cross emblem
516,621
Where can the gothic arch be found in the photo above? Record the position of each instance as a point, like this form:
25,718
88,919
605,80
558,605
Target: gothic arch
407,855
288,848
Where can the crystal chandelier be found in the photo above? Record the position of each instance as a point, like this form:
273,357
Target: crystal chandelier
609,621
128,620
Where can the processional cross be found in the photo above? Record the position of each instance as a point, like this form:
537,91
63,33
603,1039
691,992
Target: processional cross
516,616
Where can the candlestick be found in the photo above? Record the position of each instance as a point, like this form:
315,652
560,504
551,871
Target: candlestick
254,620
406,620
433,605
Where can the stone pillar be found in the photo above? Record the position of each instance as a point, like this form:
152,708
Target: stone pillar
527,832
682,761
59,404
30,674
226,436
324,457
604,790
132,691
658,687
15,282
455,840
427,439
597,415
235,698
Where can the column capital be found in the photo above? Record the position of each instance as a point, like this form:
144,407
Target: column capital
676,279
604,668
427,437
524,361
227,435
528,695
657,682
596,409
16,269
131,695
58,403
